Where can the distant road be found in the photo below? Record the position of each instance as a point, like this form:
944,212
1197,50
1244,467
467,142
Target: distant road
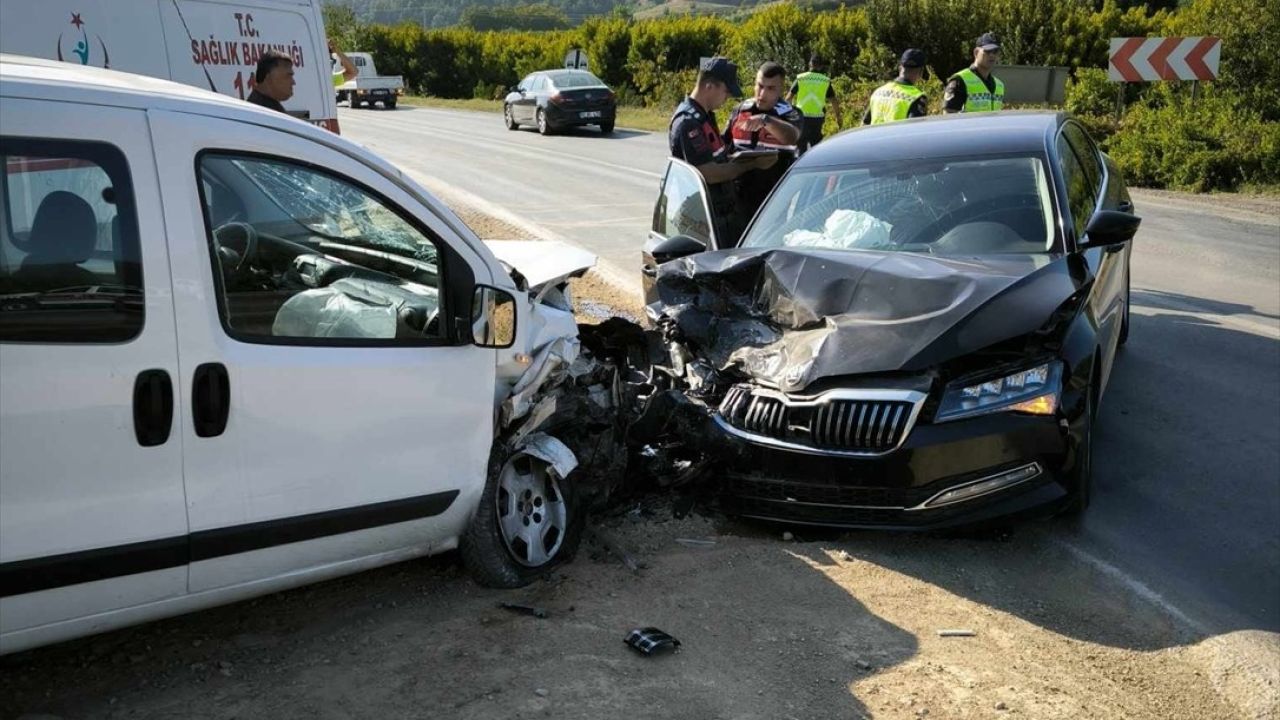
1187,504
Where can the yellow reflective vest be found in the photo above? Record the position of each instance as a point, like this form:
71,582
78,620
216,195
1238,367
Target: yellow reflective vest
892,101
811,93
977,97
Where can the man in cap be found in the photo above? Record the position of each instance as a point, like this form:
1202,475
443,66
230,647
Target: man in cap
694,137
975,89
764,122
811,93
901,98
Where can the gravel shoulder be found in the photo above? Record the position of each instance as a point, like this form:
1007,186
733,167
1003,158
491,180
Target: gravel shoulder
803,625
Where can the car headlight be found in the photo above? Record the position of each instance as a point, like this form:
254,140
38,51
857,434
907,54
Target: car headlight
1033,391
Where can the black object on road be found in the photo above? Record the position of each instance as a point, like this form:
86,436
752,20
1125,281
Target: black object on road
651,641
524,609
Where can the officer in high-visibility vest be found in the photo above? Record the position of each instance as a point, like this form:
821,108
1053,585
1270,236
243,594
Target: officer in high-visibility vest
900,99
975,89
812,92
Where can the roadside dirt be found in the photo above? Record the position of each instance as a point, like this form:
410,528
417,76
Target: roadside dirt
772,625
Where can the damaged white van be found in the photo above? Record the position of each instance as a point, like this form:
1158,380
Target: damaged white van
239,353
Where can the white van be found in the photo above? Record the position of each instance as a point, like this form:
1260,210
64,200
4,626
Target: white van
211,44
239,353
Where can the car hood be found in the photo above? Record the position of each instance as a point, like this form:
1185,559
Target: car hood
789,317
542,262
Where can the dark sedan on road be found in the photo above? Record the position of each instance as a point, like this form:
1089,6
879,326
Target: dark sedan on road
915,330
556,99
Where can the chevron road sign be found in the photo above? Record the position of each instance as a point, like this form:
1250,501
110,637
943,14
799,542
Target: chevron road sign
1154,59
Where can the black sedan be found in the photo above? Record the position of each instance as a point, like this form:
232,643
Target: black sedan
915,330
555,99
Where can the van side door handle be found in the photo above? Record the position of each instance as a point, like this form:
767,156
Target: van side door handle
152,407
210,399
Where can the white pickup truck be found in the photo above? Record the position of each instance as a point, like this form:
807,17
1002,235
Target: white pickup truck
368,86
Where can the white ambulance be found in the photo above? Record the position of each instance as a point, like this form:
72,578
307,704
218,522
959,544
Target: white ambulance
211,44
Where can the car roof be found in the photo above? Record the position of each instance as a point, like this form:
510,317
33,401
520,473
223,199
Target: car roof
41,79
960,134
553,74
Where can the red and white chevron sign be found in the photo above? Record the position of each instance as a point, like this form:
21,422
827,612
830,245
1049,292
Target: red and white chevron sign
1154,59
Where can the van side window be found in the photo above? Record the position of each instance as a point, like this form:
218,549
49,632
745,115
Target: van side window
70,263
303,256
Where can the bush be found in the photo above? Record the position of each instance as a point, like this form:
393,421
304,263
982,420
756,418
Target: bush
1217,142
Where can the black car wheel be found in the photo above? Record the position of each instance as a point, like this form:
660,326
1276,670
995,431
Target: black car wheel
509,118
528,521
1080,479
1124,319
607,127
544,127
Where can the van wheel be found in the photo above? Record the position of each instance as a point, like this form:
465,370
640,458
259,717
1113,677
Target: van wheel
389,104
606,128
528,521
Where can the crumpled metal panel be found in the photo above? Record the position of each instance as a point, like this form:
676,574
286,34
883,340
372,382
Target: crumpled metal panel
788,317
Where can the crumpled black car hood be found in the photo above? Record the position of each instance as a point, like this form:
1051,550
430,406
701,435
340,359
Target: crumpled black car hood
788,317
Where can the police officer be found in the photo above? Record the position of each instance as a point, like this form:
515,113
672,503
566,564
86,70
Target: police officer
764,122
900,99
695,138
975,89
812,92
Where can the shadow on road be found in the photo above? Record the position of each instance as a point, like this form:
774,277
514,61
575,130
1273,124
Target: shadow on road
1177,301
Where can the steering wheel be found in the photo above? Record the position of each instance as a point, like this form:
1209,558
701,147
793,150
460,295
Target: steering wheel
242,260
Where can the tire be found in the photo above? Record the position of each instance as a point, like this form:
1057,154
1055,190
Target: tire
1124,320
521,498
1082,474
356,102
607,127
509,118
389,104
544,127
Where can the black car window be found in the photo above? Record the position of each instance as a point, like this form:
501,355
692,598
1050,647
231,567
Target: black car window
526,84
575,79
304,256
1080,192
539,83
1088,156
681,208
70,260
945,206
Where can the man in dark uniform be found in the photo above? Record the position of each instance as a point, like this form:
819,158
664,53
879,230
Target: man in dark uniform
764,122
975,89
273,81
695,138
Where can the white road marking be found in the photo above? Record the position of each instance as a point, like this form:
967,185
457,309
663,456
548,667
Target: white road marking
1136,586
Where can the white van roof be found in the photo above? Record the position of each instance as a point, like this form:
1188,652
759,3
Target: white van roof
41,79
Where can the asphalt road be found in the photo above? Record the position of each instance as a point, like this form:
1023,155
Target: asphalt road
1187,505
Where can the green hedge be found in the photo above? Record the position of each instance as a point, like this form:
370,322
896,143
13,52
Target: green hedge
1226,139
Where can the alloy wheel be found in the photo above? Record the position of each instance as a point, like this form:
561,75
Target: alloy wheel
532,514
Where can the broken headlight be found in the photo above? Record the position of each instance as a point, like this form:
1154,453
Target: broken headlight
1033,391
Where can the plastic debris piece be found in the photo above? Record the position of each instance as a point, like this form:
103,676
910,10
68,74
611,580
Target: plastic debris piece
524,609
956,633
695,542
651,641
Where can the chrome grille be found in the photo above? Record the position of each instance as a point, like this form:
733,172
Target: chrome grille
824,423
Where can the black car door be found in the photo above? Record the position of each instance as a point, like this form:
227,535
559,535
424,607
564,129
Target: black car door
522,108
682,220
1087,177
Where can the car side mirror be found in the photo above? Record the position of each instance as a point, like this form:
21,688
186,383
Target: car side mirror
676,247
493,317
1110,227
